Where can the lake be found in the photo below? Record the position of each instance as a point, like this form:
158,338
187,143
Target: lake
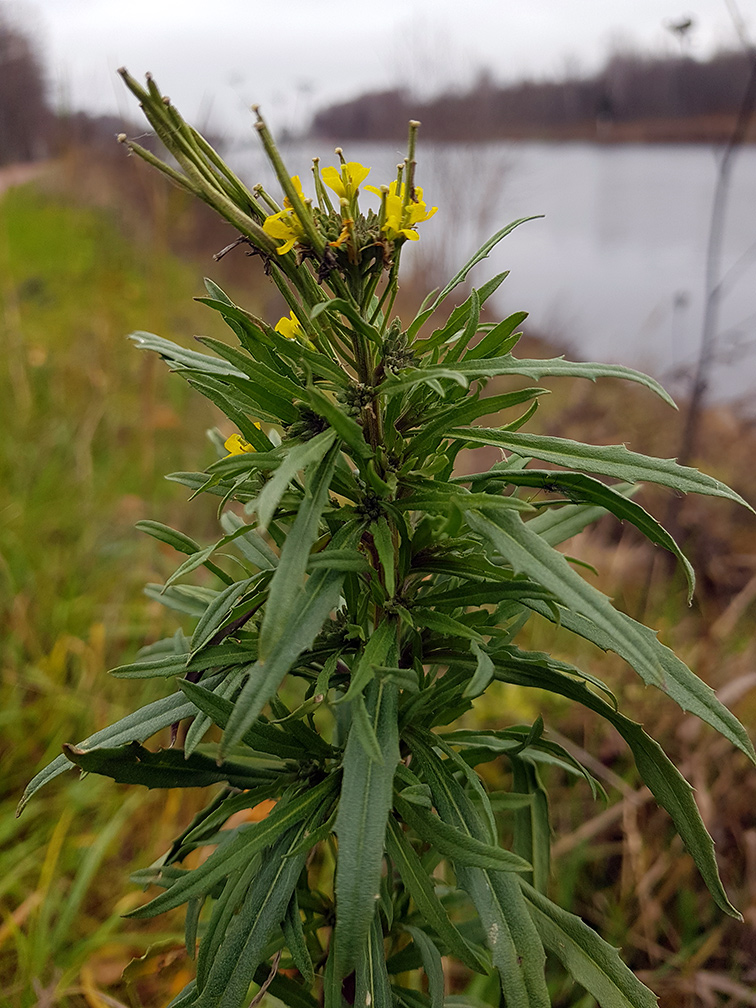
614,270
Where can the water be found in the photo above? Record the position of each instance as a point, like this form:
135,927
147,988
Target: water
615,268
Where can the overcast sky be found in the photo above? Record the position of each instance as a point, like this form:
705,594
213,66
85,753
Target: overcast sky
216,57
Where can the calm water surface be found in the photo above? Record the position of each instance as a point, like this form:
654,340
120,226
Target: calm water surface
615,267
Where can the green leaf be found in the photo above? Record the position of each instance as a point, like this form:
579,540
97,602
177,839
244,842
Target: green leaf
347,428
262,737
190,599
460,846
475,258
167,768
515,947
676,679
372,985
420,887
178,358
454,352
384,546
511,936
608,460
380,645
297,459
408,378
582,489
319,596
236,852
459,317
260,373
363,728
591,961
286,584
662,777
532,830
528,553
135,727
470,408
295,940
220,609
165,665
244,944
336,306
166,534
443,624
431,964
251,544
361,825
483,674
559,368
499,340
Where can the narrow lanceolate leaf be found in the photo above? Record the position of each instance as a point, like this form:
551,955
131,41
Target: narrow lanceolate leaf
582,489
453,843
662,777
237,852
607,460
263,737
286,584
589,959
168,535
677,681
373,987
134,727
166,768
532,831
431,964
384,545
420,887
588,612
361,824
298,457
511,936
475,258
529,554
178,358
309,611
377,650
244,944
295,940
559,368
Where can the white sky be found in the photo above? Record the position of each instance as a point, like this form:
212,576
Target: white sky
216,57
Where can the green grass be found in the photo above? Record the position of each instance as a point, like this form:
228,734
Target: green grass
90,425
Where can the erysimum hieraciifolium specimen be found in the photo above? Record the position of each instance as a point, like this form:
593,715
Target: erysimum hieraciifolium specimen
361,596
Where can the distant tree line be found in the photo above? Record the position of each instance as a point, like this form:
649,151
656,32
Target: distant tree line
630,89
30,130
25,117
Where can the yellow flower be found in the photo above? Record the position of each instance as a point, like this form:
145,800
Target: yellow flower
290,327
345,182
286,227
295,181
400,219
236,445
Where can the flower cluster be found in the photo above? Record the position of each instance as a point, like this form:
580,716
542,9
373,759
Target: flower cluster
402,207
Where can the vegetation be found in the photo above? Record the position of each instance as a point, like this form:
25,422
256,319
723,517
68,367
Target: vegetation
635,98
410,550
